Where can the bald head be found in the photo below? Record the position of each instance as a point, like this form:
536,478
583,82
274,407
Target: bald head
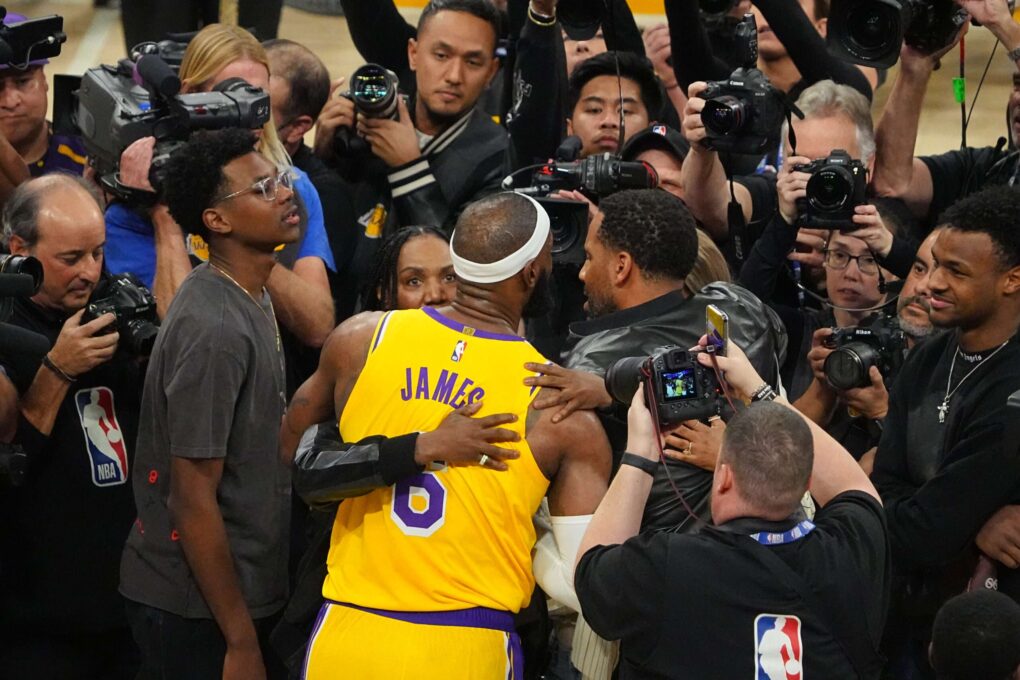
494,227
56,191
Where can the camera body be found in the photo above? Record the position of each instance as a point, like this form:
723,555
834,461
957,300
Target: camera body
744,114
683,388
856,349
837,186
870,32
135,308
120,104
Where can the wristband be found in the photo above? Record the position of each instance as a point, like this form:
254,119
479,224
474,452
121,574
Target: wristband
1014,55
640,462
56,370
764,393
542,20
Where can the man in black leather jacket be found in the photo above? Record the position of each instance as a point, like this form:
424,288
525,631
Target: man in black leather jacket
640,248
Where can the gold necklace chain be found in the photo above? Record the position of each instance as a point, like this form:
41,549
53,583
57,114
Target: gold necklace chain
270,316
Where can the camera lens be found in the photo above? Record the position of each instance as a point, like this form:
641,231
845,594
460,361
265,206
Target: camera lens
726,115
829,189
624,377
873,28
848,366
140,336
374,91
18,264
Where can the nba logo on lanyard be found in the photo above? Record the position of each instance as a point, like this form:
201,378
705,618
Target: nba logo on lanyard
104,441
778,654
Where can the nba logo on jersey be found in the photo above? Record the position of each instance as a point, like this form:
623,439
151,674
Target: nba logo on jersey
104,440
778,654
458,350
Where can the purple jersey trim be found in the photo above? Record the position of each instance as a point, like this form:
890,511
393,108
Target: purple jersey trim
382,330
477,617
467,330
311,639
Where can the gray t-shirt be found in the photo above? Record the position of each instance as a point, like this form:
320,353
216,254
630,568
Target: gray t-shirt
214,389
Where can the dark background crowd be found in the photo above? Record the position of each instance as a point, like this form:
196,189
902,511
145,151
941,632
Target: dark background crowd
758,157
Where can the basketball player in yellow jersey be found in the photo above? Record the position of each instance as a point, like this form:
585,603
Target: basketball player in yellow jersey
426,573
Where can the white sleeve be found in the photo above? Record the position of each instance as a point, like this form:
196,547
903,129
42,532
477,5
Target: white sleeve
555,552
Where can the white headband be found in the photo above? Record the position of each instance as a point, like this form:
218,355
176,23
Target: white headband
512,263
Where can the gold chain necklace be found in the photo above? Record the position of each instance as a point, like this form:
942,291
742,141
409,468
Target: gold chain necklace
270,316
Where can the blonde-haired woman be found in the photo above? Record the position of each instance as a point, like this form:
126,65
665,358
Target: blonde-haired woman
158,253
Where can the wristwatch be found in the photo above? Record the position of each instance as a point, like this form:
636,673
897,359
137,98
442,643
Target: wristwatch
1014,54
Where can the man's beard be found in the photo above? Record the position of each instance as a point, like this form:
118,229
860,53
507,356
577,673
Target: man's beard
541,301
915,330
599,306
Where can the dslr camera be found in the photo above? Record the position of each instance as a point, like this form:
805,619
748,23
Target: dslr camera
374,91
858,348
120,104
682,388
744,114
837,186
870,32
135,309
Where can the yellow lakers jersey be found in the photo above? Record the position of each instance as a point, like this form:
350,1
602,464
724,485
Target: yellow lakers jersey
452,537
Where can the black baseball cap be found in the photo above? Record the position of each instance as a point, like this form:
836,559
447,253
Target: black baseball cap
656,136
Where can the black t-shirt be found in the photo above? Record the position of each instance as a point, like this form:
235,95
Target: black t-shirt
214,389
959,173
703,606
941,481
61,533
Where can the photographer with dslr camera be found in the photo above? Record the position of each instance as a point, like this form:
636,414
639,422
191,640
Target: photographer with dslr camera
422,161
946,462
79,418
763,586
930,184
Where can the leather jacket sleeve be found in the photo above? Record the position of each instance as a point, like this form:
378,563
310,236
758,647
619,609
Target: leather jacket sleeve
329,470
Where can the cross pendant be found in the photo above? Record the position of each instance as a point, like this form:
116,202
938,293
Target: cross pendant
943,408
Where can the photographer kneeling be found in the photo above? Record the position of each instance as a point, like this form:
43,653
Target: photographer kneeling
764,586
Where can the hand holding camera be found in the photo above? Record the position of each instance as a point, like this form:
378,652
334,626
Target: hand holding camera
693,127
394,141
870,401
338,113
135,163
872,230
80,347
791,185
736,368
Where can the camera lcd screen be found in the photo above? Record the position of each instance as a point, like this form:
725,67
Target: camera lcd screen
679,386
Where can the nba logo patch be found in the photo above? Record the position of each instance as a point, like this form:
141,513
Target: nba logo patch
659,130
458,350
778,653
104,440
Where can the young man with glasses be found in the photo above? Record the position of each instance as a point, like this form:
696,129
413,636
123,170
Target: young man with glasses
205,565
